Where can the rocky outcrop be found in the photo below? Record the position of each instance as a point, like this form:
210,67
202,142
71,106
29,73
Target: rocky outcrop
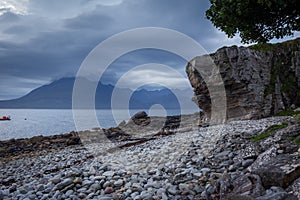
266,169
259,81
141,118
16,147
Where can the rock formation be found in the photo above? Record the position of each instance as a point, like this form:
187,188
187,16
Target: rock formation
16,147
259,80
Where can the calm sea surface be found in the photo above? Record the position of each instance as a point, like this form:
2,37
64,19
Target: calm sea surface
27,123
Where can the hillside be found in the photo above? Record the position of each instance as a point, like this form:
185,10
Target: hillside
58,95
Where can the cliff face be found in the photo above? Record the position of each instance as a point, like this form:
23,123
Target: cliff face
259,81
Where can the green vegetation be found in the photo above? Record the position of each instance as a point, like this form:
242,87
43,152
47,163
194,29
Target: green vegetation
293,140
276,46
262,46
260,137
255,21
287,113
268,132
297,116
297,143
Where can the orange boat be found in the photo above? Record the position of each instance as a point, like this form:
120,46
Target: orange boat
5,118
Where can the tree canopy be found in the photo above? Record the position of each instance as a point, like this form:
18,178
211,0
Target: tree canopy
255,20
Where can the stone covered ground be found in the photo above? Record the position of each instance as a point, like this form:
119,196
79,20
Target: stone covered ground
215,162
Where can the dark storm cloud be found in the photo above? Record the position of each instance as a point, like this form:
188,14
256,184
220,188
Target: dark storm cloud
52,40
89,21
8,17
17,29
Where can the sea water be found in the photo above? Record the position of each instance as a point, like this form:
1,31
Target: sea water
27,123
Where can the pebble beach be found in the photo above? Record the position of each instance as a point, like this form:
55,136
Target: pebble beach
193,163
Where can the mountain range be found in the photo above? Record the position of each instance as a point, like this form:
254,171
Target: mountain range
58,95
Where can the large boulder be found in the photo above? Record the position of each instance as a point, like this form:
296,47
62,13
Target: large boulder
281,170
259,81
141,118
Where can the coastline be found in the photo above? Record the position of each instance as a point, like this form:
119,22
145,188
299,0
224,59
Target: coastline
189,164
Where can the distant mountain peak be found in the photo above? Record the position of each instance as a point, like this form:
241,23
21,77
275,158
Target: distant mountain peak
58,95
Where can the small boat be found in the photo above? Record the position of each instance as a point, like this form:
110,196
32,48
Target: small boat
5,118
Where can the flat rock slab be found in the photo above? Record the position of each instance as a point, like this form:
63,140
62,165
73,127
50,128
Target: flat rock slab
281,170
248,185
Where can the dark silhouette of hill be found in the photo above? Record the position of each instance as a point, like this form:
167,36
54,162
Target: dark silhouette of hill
58,95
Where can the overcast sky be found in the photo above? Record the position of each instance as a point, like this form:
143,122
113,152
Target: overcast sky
44,40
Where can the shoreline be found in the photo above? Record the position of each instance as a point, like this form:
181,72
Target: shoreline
28,124
18,146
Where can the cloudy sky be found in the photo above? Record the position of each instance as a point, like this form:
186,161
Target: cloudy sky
44,40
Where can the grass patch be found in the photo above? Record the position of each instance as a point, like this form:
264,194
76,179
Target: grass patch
271,46
297,143
268,132
296,116
287,113
292,140
260,136
262,47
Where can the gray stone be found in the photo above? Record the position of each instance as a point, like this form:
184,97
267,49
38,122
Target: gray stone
118,183
21,190
137,197
172,190
77,180
145,195
274,193
133,195
210,190
223,155
82,195
106,184
66,182
108,173
197,175
40,187
95,186
56,194
99,177
128,184
56,179
48,189
90,196
280,151
183,186
87,182
136,187
45,196
246,163
39,193
4,193
73,173
160,191
82,190
140,115
69,193
205,170
105,198
198,189
13,188
92,170
204,194
248,184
